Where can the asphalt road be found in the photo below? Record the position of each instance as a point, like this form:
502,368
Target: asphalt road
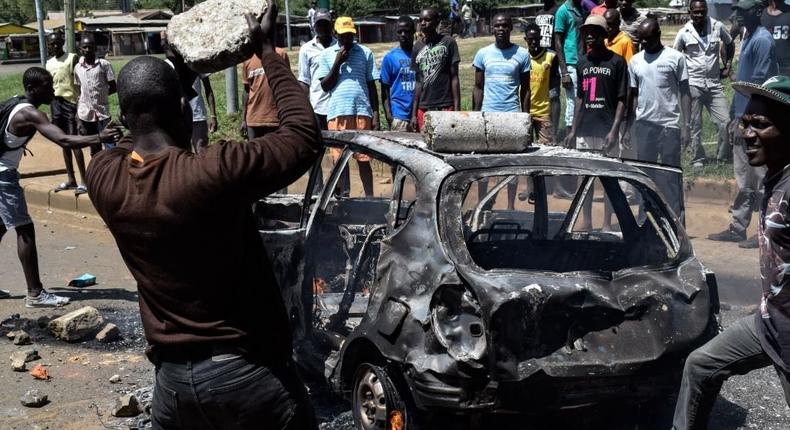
70,245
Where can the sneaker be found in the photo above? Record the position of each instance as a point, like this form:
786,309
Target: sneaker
46,299
4,294
749,243
728,235
82,189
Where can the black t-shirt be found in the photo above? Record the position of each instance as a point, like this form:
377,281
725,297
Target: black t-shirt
779,27
545,20
602,83
431,62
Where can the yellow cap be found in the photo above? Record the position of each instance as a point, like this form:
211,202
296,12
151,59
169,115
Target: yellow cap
345,24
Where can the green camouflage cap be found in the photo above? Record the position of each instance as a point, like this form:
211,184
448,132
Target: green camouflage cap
776,88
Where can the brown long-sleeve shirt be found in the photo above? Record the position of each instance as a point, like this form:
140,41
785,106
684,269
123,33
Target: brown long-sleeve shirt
185,228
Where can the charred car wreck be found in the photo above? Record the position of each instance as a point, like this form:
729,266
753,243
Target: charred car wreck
436,293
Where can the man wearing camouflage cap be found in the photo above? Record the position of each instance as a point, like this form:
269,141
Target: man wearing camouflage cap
762,339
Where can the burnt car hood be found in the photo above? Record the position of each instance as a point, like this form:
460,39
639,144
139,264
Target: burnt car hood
584,324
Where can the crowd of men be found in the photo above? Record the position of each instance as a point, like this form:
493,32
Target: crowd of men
626,95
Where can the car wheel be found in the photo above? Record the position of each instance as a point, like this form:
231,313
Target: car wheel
376,402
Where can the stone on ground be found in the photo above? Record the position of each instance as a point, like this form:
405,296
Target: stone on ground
126,406
109,333
214,35
19,358
22,338
77,324
114,379
34,399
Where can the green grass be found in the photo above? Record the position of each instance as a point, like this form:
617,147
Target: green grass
11,84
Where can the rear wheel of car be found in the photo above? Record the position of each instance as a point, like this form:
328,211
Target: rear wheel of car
376,402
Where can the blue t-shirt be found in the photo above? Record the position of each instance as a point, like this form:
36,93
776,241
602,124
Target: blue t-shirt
503,70
757,63
396,72
568,20
350,96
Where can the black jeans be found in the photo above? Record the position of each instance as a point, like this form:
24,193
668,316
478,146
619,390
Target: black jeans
229,391
736,351
90,128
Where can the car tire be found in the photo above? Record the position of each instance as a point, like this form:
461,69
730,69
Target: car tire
376,402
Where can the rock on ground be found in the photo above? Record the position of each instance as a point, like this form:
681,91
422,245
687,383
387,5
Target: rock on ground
114,379
214,34
19,358
77,324
126,406
34,399
22,338
109,333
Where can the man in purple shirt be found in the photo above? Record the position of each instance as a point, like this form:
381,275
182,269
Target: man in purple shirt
762,339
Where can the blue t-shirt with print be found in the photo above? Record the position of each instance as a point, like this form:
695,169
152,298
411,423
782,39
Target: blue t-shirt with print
503,69
350,96
396,72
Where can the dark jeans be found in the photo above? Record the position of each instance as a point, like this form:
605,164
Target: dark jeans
64,115
228,391
90,128
736,351
322,121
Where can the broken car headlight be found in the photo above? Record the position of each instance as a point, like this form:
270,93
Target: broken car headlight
458,323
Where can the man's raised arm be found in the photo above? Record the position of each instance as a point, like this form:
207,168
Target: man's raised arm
275,160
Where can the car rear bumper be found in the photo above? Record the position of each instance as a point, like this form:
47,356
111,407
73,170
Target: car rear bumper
539,393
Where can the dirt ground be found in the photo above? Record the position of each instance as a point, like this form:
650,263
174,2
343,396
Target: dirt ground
80,392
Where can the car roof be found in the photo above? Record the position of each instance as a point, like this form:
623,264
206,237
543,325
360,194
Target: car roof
411,150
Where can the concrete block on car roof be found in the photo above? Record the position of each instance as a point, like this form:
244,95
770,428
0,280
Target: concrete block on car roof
214,35
479,132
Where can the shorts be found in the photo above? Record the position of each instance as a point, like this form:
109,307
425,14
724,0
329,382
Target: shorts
594,144
349,122
542,130
400,125
13,207
64,115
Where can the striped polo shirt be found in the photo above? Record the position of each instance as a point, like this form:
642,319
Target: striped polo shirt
350,95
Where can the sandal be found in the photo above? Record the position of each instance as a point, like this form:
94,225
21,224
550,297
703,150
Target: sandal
82,189
65,186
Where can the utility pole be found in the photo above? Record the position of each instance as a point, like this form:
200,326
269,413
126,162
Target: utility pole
42,39
68,8
288,25
231,90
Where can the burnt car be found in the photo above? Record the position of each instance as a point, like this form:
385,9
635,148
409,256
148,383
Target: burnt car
462,284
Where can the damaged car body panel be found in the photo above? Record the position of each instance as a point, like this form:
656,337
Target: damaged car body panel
481,307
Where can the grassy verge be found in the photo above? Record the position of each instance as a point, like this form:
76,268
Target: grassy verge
11,84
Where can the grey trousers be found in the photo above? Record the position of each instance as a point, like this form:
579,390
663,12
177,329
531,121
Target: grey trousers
655,143
736,351
750,184
716,102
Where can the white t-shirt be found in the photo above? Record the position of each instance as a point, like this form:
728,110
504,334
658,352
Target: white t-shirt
10,159
658,77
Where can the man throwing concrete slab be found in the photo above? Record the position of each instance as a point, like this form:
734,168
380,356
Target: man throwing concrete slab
20,119
216,324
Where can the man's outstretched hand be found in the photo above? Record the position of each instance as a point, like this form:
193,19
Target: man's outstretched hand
262,33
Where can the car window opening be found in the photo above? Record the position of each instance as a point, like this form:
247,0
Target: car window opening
564,223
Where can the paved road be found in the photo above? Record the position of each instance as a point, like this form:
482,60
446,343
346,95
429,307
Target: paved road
70,245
